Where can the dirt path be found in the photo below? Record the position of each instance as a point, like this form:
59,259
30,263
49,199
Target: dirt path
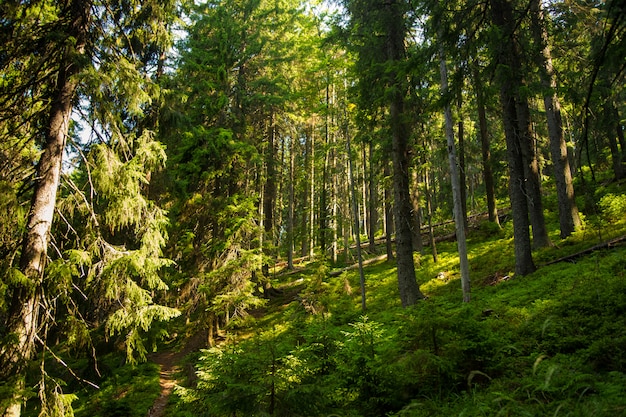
169,362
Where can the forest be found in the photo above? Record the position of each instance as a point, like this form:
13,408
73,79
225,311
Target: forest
312,208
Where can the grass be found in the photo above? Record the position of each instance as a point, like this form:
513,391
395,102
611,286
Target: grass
550,343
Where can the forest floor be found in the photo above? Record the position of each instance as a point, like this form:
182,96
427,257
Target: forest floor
169,367
169,361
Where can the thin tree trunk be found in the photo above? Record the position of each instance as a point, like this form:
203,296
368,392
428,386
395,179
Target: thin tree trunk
269,190
365,188
429,208
23,321
312,196
291,204
485,149
407,283
613,127
373,217
388,214
459,218
355,214
416,224
334,207
462,168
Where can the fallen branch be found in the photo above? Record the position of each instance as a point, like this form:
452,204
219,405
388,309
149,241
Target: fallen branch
603,245
355,266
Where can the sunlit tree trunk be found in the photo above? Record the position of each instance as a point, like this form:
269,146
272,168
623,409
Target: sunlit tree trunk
459,218
23,321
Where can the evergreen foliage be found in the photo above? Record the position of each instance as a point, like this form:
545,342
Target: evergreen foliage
154,166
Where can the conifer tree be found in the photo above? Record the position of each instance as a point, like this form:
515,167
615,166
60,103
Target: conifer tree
71,47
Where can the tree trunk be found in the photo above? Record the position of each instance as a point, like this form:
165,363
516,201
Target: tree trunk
461,166
459,218
569,218
334,205
429,208
531,171
407,283
355,214
312,196
23,319
372,205
485,150
501,15
269,191
291,204
388,214
612,132
416,224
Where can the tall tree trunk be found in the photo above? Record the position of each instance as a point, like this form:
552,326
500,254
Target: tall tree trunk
531,172
356,221
291,204
407,283
312,196
462,169
485,149
459,218
373,203
429,209
502,17
334,205
388,214
569,218
23,320
269,197
612,132
416,224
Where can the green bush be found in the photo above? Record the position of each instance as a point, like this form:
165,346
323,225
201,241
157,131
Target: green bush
613,207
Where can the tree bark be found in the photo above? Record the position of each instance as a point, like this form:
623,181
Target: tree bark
416,224
569,218
356,220
388,215
407,283
291,204
373,203
531,169
501,15
485,150
457,196
461,164
23,319
270,182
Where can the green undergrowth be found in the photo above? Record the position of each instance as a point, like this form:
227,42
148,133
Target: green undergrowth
550,343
